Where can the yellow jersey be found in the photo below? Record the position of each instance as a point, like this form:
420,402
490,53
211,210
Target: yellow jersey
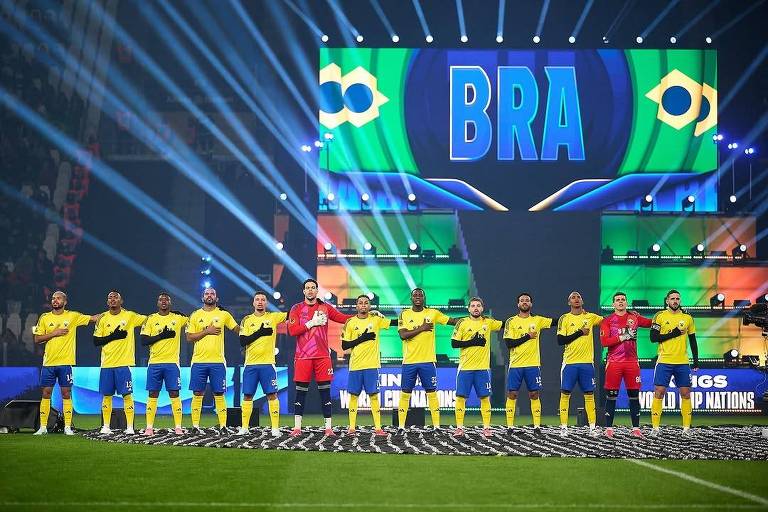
367,354
674,351
119,352
262,350
60,350
582,349
210,348
167,350
420,348
528,353
475,358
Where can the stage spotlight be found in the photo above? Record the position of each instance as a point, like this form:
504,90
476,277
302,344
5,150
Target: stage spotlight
464,39
328,136
731,357
739,252
763,299
673,40
369,249
733,145
279,246
697,251
717,137
689,202
412,197
732,198
717,300
654,251
365,197
283,196
395,38
499,39
572,39
429,38
606,40
276,295
328,248
318,144
647,202
331,298
373,298
306,149
639,39
536,39
207,283
324,38
708,40
749,151
359,38
331,197
413,248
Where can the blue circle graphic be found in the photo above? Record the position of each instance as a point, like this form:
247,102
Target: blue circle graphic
704,110
676,100
331,99
358,98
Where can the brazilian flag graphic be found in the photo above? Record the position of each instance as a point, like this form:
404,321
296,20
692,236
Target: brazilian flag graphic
675,111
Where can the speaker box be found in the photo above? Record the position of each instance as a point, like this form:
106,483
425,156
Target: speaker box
235,416
18,414
414,418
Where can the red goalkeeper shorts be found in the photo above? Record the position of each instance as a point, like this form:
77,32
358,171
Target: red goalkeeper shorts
628,371
321,368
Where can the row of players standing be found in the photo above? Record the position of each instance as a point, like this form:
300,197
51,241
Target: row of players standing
307,321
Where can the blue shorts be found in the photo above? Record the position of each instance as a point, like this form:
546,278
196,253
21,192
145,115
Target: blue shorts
583,373
49,375
201,373
157,373
530,374
367,379
255,374
478,379
665,371
113,380
426,372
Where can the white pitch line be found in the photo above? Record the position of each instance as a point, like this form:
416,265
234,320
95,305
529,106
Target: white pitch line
705,483
466,506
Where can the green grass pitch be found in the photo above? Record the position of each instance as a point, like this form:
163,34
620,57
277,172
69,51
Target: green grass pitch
72,473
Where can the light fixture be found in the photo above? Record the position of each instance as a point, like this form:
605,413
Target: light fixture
413,249
207,283
717,137
318,144
654,251
464,38
647,202
673,40
331,197
717,300
283,196
365,197
276,295
572,39
429,38
689,202
279,246
606,40
369,248
395,38
306,148
697,251
749,151
536,39
324,38
359,38
708,40
328,248
499,38
739,252
732,198
731,357
639,39
412,197
328,136
763,299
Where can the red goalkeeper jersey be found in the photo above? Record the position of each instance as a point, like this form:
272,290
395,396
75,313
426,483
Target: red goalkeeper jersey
312,343
615,325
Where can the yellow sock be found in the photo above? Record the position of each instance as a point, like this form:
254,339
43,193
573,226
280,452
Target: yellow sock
176,408
246,407
510,411
536,411
434,408
67,406
151,411
402,408
352,411
197,410
461,409
274,412
656,412
485,411
45,411
376,411
686,409
221,409
129,411
106,410
565,401
589,407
